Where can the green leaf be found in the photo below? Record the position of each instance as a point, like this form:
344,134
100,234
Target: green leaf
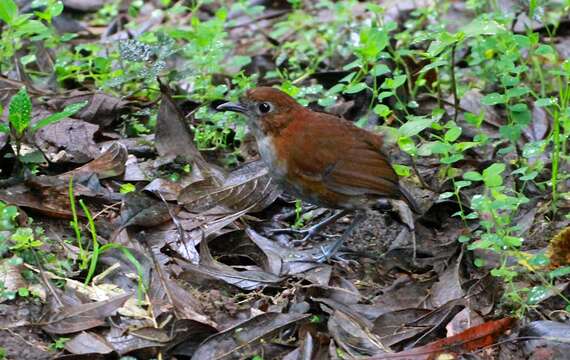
446,195
513,241
372,42
482,27
462,183
522,40
472,216
463,238
439,147
473,176
382,110
492,175
356,63
67,112
544,49
543,102
563,271
517,92
523,117
20,112
539,260
355,88
479,262
8,11
127,188
438,46
451,159
452,134
414,127
537,294
534,148
407,145
474,119
402,170
32,27
493,99
34,157
394,83
511,132
380,69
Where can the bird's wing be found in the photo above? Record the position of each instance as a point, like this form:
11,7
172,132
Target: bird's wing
362,171
348,160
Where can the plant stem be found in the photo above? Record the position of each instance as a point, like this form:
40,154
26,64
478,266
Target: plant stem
454,84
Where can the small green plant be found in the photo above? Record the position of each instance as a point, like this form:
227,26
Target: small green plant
89,260
495,209
8,216
299,221
127,188
316,319
21,27
59,343
20,118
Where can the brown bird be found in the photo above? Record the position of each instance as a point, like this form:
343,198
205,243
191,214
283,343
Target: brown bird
320,158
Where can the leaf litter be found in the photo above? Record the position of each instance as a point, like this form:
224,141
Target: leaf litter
190,270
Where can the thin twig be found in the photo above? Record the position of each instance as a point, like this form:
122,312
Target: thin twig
46,280
453,84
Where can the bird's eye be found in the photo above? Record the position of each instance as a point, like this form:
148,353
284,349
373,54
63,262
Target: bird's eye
264,107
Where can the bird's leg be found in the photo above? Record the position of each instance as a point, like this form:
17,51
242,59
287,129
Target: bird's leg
329,251
314,229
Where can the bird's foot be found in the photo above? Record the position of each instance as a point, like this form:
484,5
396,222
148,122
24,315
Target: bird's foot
312,230
329,251
306,233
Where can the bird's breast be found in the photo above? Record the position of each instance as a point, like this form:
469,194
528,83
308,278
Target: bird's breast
268,152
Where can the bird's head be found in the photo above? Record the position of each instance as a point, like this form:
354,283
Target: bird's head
266,108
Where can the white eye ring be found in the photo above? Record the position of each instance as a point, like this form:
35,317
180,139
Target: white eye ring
264,107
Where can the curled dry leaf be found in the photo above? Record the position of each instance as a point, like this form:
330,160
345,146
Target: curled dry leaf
212,269
415,324
46,194
88,343
68,140
352,336
145,211
110,164
249,186
546,340
76,318
236,342
284,261
173,138
470,340
11,276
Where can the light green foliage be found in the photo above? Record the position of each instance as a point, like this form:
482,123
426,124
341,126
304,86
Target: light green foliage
20,112
20,27
299,221
127,188
59,343
20,118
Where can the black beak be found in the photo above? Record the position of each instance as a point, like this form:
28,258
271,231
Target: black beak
232,107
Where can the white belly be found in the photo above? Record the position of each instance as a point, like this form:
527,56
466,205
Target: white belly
267,151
